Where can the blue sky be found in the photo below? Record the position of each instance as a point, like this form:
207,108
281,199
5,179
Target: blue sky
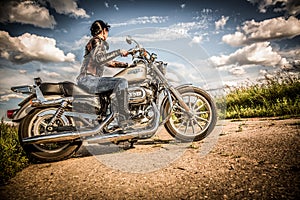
212,43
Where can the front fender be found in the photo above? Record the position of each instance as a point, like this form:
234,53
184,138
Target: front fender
184,86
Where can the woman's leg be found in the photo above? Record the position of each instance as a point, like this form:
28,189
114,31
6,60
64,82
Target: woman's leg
119,88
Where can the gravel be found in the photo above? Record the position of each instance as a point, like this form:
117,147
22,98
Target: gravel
247,159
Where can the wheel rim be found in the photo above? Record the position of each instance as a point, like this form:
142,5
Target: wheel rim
38,126
201,118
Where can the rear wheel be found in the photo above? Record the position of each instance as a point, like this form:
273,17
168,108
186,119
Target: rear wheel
35,124
203,120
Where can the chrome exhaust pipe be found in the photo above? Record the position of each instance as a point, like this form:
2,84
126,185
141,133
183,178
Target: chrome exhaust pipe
67,136
113,138
129,135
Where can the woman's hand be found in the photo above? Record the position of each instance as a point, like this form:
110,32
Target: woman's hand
124,53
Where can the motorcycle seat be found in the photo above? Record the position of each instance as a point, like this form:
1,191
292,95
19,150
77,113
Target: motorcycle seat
63,88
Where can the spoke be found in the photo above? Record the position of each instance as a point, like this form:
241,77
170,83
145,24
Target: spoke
180,125
186,128
44,124
193,126
180,120
198,124
202,112
201,118
181,108
178,112
190,103
195,103
200,107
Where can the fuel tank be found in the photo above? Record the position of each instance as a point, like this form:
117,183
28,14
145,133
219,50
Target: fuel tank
134,74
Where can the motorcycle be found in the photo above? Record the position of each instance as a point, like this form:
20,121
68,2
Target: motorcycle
56,118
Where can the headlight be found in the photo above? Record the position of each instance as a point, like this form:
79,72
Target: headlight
162,67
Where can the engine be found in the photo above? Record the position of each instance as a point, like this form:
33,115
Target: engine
139,95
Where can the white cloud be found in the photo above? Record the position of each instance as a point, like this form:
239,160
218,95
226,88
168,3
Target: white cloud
30,47
7,97
33,12
255,54
179,73
26,12
51,74
292,7
116,7
179,30
143,20
270,29
185,27
237,71
263,72
221,22
197,39
79,44
154,35
206,10
291,53
293,57
68,7
22,71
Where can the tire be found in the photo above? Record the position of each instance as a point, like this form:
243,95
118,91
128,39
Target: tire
185,128
33,125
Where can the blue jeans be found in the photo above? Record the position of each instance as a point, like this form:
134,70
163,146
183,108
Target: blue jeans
117,86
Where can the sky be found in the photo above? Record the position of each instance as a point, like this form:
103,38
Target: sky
211,43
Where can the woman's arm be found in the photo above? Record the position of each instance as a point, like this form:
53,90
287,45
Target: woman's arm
101,57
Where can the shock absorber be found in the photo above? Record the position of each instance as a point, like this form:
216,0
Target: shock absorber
59,112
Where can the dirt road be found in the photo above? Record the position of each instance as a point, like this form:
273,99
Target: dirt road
251,159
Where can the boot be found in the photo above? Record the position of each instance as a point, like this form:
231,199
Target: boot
124,114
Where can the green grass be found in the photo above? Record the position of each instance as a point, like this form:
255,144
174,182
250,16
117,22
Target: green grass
12,156
272,97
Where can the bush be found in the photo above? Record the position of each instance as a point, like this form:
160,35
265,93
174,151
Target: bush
12,156
272,97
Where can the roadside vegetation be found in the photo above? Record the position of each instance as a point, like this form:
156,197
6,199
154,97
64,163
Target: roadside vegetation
12,156
277,96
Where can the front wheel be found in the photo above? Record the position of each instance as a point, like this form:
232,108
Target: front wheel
204,115
35,124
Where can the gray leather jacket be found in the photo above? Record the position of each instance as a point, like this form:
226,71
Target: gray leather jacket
96,57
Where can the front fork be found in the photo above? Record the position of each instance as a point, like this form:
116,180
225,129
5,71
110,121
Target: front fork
173,91
181,102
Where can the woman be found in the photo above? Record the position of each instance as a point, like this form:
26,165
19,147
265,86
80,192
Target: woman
95,59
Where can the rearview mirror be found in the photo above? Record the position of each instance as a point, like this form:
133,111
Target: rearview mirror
128,39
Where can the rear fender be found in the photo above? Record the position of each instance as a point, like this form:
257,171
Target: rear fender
26,108
23,111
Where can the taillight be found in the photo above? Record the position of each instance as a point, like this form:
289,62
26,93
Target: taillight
10,113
